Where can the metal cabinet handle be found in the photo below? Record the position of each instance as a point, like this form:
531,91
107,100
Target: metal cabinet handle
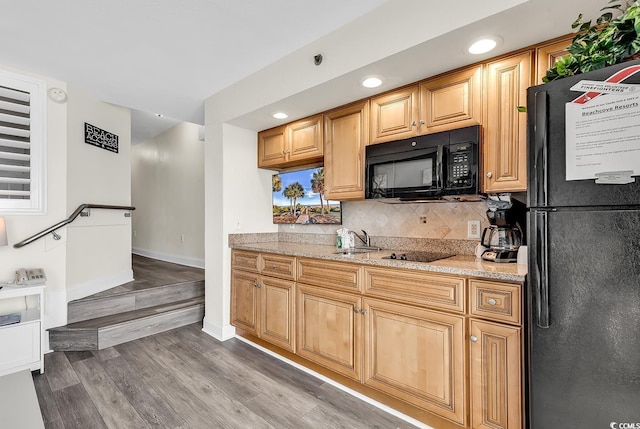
356,310
474,339
491,301
274,266
413,123
489,175
364,312
421,121
256,284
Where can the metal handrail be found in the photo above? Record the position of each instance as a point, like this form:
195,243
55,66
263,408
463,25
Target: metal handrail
71,218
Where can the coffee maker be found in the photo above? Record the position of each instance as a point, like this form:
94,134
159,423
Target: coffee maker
504,236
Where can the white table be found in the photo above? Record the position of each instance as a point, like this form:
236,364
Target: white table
21,344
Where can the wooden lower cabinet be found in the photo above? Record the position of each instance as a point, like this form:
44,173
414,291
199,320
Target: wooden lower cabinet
495,368
244,300
329,329
447,349
264,306
277,310
416,355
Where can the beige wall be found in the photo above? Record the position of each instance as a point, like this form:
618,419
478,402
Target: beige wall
167,189
93,253
45,253
443,220
98,246
237,200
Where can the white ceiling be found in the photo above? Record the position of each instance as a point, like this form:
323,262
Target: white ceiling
168,56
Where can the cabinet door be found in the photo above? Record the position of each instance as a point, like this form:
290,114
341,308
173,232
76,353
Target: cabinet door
496,391
19,346
394,116
305,138
272,147
547,55
505,142
345,136
416,355
276,312
451,101
329,329
244,300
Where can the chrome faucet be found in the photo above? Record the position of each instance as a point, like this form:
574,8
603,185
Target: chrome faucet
365,238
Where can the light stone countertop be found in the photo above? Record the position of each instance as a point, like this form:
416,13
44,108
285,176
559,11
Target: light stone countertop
458,265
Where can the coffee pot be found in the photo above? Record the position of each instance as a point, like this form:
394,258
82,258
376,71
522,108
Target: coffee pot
502,238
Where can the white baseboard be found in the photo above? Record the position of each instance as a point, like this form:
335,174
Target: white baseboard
220,333
167,257
98,285
345,389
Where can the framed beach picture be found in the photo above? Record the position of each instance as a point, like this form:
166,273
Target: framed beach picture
298,197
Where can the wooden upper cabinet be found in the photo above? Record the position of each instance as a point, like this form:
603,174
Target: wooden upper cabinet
451,101
394,115
346,132
272,146
298,143
505,142
547,55
306,140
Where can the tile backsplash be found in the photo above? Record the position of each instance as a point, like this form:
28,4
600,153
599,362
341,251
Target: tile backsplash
441,220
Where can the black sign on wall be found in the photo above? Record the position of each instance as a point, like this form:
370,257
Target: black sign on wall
100,138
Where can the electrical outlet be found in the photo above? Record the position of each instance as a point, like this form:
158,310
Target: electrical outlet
182,238
473,229
423,219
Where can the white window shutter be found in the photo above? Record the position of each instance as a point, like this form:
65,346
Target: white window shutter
22,144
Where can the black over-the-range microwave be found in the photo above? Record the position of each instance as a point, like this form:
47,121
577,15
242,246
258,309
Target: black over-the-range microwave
427,167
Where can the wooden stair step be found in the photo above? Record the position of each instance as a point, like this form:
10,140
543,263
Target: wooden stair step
130,297
107,331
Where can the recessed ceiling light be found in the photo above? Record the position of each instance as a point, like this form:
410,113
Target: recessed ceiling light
280,115
372,82
484,45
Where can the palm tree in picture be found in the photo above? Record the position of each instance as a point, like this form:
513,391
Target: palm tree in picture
298,192
317,186
276,183
289,193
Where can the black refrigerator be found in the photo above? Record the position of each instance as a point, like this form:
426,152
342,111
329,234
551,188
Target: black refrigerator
583,282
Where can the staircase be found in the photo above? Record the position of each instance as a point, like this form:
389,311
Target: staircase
163,296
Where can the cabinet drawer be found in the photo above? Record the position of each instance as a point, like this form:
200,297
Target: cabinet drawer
278,266
419,288
496,301
330,274
246,261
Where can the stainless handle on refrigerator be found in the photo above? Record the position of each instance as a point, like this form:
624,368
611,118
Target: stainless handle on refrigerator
541,285
540,150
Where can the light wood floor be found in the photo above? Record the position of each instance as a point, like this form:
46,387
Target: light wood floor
186,379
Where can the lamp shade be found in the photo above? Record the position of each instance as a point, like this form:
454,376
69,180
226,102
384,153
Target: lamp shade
3,232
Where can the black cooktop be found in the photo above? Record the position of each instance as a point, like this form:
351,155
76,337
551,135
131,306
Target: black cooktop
418,256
